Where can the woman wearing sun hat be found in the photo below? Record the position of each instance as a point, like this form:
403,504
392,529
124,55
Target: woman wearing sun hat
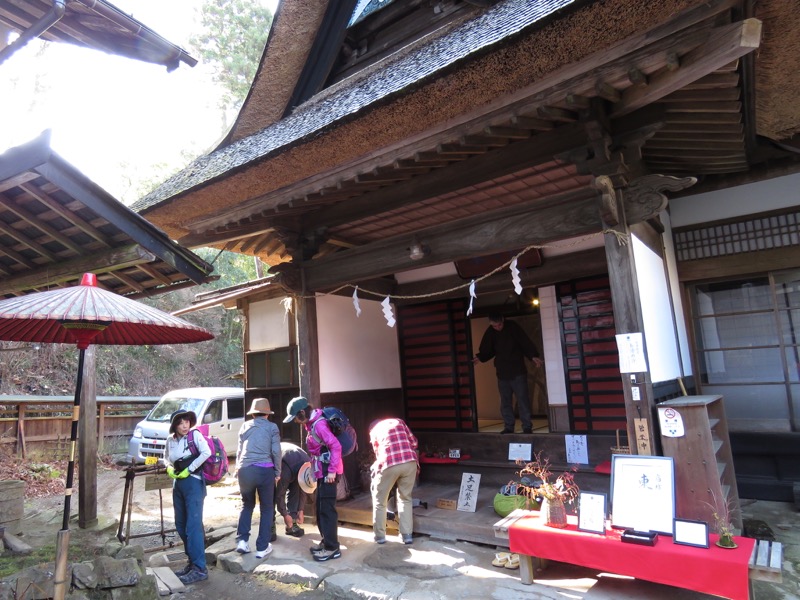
258,468
188,491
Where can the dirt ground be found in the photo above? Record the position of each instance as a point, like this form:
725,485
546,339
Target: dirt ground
43,518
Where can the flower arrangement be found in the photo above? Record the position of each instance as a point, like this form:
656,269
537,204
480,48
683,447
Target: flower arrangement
722,513
535,481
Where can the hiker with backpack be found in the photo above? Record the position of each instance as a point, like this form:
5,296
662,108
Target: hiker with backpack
326,460
188,490
258,469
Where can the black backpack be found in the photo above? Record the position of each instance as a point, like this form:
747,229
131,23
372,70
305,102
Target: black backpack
341,428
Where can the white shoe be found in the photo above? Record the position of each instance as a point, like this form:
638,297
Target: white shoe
264,553
242,547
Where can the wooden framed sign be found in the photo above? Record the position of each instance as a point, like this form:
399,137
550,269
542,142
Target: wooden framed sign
642,493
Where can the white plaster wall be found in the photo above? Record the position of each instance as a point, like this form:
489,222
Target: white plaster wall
763,196
268,325
553,350
356,353
675,291
659,327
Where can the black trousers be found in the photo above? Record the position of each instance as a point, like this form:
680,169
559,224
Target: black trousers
327,517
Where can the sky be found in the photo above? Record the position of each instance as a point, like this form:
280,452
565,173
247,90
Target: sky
117,120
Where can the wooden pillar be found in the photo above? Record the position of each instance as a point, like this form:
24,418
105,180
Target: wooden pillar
308,347
21,447
87,444
101,429
640,199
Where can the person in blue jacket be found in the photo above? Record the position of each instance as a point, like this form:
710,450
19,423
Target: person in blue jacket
188,491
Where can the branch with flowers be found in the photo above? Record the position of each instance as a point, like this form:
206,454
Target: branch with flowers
535,481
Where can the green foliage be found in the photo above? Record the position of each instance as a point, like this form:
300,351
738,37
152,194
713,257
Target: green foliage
233,39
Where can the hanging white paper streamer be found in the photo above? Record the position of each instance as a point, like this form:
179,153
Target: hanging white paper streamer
355,302
387,312
515,277
472,296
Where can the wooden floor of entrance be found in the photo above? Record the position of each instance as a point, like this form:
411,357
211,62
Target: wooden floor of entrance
436,522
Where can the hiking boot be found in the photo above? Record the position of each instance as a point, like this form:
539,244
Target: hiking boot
242,547
184,570
194,576
317,548
295,531
264,553
324,555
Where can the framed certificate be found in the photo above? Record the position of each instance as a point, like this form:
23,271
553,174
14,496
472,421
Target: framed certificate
690,533
592,512
642,493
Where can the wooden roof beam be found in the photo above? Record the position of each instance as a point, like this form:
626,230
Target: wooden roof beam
70,270
724,44
37,223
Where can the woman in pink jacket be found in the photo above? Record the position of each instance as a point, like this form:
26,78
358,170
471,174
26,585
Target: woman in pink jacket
326,459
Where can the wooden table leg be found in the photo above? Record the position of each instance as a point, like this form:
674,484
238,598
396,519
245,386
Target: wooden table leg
526,569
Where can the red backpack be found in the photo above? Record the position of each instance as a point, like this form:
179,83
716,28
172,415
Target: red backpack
216,466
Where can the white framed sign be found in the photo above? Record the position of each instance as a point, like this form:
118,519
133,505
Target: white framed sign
592,512
642,493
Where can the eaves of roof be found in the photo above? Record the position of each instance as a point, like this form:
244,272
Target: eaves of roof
496,25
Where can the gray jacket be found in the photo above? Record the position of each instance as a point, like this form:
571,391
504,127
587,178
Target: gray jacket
259,442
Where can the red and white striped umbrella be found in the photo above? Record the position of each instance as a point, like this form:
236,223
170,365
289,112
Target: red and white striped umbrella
86,314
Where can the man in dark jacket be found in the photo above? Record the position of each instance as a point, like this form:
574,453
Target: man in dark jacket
509,345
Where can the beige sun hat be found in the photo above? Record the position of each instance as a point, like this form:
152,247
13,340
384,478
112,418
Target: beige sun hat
260,406
306,479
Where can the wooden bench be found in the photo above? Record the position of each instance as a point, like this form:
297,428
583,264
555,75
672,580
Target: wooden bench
501,527
765,563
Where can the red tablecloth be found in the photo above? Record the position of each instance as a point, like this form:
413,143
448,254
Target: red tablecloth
713,570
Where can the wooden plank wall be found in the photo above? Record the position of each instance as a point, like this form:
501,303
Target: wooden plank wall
594,383
437,378
43,427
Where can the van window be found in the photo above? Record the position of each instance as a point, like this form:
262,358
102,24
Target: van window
215,410
163,410
235,408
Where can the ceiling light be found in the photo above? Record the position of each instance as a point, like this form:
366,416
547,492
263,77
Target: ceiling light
418,251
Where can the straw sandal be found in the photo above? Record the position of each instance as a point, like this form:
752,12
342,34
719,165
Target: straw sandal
500,559
512,562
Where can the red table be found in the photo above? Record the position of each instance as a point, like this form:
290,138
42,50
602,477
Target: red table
713,570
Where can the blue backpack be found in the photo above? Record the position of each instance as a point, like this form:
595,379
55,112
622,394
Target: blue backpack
340,427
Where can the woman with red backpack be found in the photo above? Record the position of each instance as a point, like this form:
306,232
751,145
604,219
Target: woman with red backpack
188,491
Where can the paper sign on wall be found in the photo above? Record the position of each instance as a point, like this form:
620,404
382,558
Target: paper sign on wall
631,353
671,422
577,449
468,495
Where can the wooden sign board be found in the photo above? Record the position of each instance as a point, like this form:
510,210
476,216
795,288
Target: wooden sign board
446,503
468,496
159,481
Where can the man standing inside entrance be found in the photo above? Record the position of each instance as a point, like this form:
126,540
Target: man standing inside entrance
509,345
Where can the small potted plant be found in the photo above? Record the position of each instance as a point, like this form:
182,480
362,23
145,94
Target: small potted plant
721,511
535,483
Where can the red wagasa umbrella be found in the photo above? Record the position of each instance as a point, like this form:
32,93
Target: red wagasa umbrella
84,315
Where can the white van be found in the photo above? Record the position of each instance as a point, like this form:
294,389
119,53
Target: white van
220,408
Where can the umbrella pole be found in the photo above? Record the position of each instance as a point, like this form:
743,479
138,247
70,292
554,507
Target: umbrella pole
62,542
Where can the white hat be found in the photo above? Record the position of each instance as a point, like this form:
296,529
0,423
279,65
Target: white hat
306,479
